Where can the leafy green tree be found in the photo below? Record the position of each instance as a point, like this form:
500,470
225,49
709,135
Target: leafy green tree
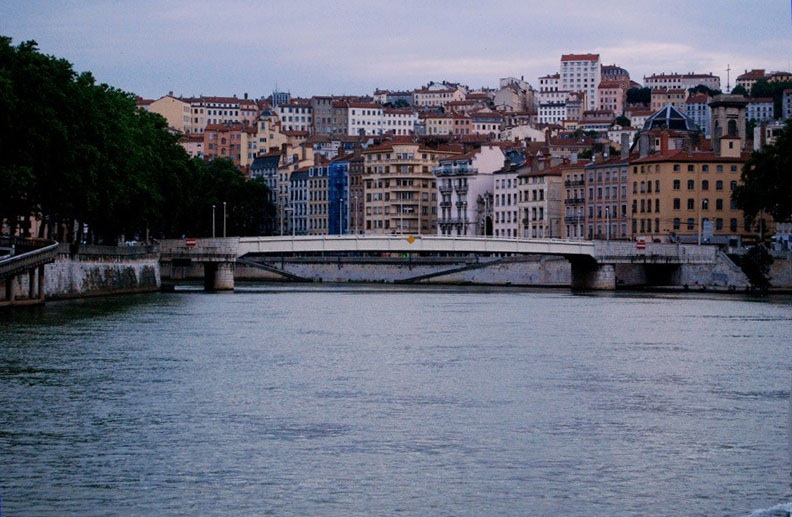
639,96
765,185
756,265
623,121
739,90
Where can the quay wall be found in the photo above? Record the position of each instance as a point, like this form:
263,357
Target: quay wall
525,271
101,270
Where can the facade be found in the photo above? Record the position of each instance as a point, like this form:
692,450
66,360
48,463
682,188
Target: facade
465,185
749,78
698,109
505,209
322,115
437,95
398,122
612,95
400,188
786,104
606,197
338,197
760,110
177,112
682,81
539,201
581,73
229,140
665,96
221,110
364,119
296,115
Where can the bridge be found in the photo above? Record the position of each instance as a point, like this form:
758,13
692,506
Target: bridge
594,264
22,270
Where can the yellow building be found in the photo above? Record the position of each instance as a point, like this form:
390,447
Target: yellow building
177,112
399,187
685,195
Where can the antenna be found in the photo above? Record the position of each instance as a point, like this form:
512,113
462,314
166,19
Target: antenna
728,86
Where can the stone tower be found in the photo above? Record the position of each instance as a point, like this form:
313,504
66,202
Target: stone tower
728,121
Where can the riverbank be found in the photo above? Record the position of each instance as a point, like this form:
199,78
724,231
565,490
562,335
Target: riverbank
87,271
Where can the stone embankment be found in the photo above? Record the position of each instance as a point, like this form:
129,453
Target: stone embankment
80,271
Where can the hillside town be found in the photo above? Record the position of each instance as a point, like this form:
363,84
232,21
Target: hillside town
587,153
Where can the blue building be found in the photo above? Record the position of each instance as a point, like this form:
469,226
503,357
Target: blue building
338,197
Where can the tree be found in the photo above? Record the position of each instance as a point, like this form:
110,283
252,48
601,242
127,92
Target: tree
623,121
756,265
739,90
765,184
639,96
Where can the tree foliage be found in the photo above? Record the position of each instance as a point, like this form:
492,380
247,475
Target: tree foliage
639,96
77,154
766,186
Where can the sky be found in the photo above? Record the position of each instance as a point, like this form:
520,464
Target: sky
352,47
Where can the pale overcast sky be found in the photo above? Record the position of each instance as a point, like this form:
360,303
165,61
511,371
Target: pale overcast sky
319,47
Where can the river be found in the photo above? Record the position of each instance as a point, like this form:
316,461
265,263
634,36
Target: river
382,400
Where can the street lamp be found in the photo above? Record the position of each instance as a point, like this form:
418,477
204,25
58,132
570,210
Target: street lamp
356,214
213,221
341,216
291,211
580,223
607,224
224,218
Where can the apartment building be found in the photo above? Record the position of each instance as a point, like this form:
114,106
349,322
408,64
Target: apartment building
760,110
606,197
683,193
398,122
176,111
662,96
612,95
505,209
400,189
437,95
581,73
682,81
540,191
296,115
221,110
465,184
229,140
698,109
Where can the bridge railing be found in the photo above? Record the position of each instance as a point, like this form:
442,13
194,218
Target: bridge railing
654,252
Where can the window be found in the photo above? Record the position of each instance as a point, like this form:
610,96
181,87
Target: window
676,167
677,223
732,185
676,184
705,168
677,203
719,185
690,223
733,224
704,184
719,223
691,203
691,185
705,204
691,168
718,204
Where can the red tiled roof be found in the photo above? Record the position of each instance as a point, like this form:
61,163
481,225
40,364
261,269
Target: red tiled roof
580,57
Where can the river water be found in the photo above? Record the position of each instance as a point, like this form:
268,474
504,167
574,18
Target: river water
382,400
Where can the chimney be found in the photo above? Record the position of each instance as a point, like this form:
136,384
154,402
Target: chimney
625,146
643,145
664,141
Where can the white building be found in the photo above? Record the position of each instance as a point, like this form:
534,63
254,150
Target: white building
681,81
465,185
365,118
581,73
295,116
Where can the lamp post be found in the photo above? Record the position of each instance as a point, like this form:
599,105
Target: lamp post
580,223
213,221
224,218
356,214
341,216
607,224
291,222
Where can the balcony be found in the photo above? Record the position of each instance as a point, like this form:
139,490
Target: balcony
460,204
574,201
574,183
445,188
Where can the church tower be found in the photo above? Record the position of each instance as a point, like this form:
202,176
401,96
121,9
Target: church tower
728,124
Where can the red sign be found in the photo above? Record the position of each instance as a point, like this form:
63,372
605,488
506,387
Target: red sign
190,242
640,245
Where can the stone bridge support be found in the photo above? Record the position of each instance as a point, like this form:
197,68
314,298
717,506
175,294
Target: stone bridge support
219,276
24,288
591,276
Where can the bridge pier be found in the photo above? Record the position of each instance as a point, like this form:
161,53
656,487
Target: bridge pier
219,276
24,288
587,275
